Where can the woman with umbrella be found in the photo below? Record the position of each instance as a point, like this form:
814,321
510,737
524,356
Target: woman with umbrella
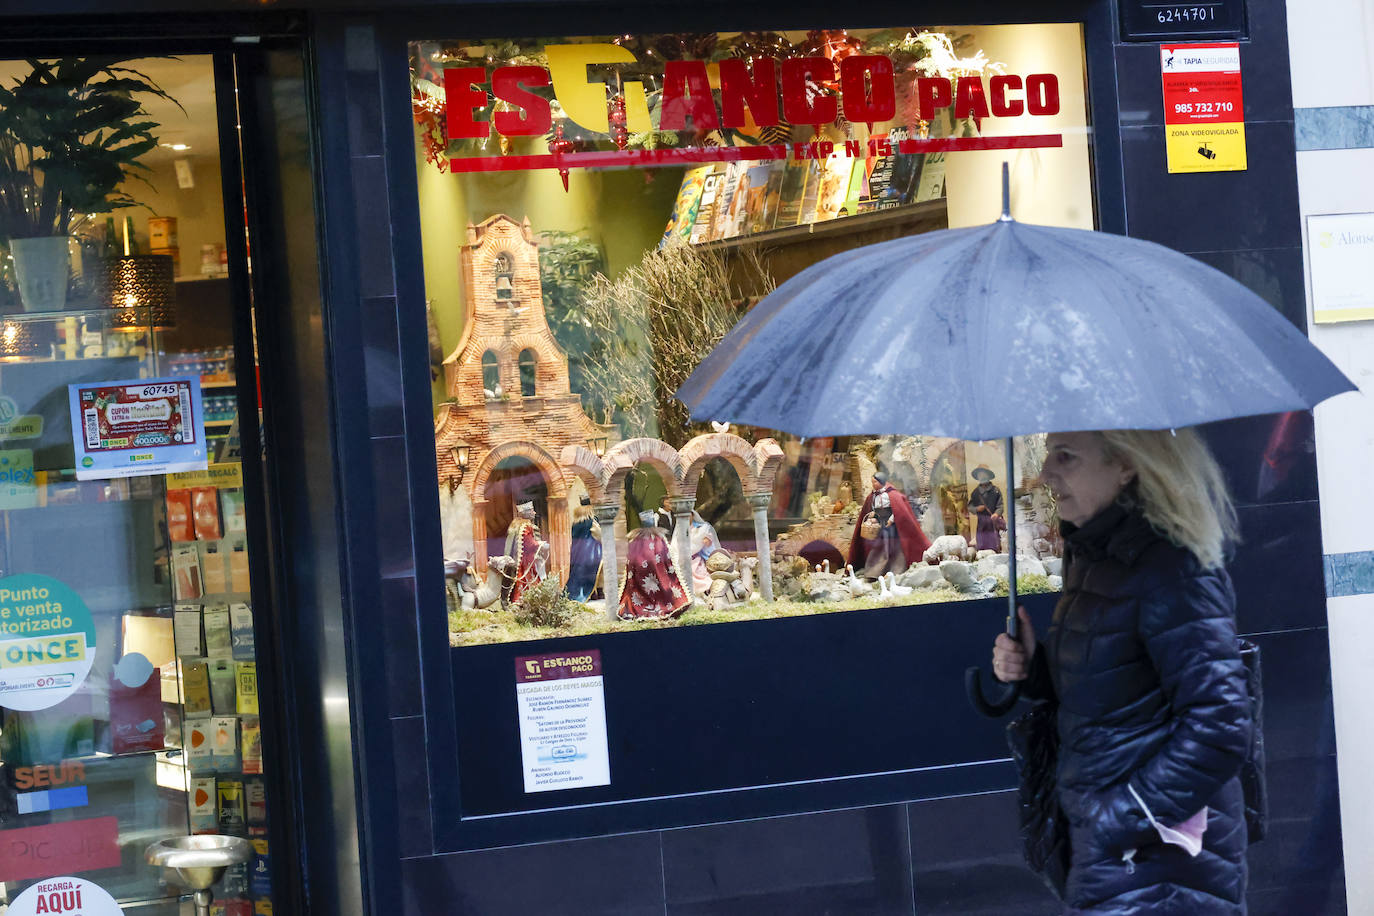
1153,711
1090,331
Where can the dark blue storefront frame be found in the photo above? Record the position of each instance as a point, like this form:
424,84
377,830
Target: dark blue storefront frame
470,853
403,695
972,757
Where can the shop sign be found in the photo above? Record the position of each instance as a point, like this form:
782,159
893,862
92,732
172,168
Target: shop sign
47,642
1204,107
137,427
562,708
1143,20
18,484
50,787
1341,251
760,92
55,849
227,475
14,425
70,896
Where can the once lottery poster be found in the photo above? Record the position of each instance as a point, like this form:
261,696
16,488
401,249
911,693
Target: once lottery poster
137,427
1204,107
562,707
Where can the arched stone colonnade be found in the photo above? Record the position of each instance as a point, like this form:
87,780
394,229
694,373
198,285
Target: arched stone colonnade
681,470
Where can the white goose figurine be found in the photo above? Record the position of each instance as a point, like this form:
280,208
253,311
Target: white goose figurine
897,591
857,587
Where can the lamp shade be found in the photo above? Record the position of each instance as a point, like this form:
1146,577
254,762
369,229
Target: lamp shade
22,338
141,281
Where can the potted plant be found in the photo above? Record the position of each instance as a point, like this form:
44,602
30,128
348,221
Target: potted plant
71,133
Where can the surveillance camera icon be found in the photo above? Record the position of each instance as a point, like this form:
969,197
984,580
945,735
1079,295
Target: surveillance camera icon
1206,153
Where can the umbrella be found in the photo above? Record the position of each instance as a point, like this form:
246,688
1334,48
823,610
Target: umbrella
1003,330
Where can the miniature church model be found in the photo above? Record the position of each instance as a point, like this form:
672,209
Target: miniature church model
510,410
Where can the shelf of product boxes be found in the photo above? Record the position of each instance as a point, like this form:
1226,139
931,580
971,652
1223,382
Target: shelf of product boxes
931,211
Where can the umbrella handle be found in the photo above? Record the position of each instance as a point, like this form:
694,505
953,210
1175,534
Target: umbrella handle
997,706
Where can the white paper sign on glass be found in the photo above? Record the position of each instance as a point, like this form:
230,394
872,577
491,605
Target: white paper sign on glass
74,896
137,427
562,706
1341,251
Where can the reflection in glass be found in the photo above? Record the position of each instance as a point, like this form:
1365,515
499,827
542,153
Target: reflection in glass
598,312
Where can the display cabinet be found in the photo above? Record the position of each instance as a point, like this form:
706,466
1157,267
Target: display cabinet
155,733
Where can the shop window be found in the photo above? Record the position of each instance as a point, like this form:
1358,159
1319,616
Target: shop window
125,546
908,134
491,375
528,370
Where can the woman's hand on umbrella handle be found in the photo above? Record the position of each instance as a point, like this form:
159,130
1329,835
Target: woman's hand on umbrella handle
1011,657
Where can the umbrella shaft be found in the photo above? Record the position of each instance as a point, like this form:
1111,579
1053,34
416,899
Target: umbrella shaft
1011,537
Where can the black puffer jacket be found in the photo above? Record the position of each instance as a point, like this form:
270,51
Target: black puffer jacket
1142,658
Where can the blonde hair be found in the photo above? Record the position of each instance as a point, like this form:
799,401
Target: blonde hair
1181,489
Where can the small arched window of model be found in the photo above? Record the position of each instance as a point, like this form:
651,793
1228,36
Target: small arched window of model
491,375
528,366
505,276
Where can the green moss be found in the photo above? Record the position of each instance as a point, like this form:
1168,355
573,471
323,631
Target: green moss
468,628
1029,584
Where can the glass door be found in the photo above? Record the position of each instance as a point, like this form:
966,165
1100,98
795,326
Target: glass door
129,705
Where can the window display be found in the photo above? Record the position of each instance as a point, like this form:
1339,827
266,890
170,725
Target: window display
128,678
621,204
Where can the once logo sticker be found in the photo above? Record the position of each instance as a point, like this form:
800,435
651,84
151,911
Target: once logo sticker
47,642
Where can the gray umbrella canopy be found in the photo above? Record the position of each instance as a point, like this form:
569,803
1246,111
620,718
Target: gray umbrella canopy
1007,329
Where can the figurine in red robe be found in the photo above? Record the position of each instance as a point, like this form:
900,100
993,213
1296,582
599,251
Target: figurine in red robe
651,587
900,541
529,551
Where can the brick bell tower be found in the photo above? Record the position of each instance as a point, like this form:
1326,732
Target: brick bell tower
508,389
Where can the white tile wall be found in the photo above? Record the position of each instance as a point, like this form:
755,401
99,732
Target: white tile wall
1339,181
1329,45
1352,675
1330,48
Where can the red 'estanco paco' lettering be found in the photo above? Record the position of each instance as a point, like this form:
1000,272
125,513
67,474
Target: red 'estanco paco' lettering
769,90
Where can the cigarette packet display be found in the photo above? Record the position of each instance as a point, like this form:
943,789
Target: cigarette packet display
234,884
251,729
255,799
205,513
224,745
180,525
204,805
238,564
186,579
231,505
247,677
218,641
222,690
195,687
260,871
234,907
186,631
199,758
241,632
231,812
214,568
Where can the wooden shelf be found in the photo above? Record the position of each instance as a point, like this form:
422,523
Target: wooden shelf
787,252
219,384
931,211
